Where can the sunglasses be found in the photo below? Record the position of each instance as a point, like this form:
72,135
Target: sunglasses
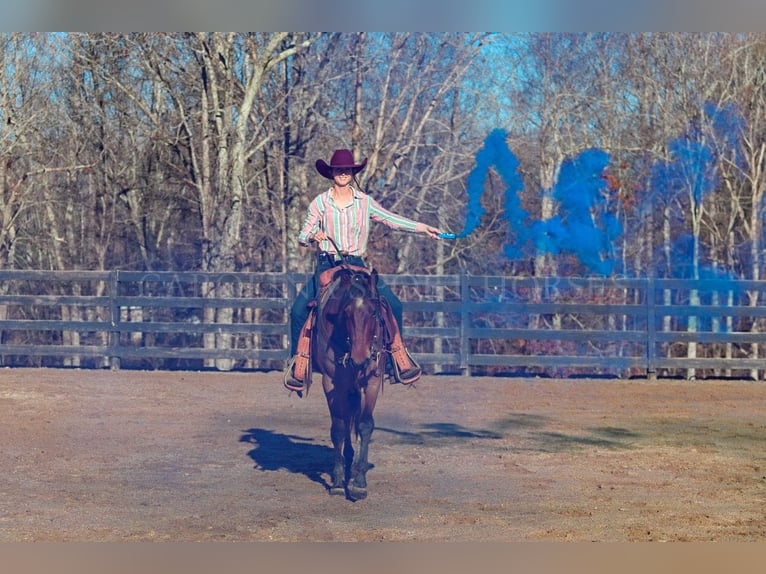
342,170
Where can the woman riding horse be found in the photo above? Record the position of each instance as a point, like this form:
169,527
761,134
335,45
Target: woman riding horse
339,220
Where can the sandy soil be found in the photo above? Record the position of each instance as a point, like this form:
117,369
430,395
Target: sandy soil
188,456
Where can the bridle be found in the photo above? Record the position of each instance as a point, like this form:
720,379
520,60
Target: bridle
352,296
360,287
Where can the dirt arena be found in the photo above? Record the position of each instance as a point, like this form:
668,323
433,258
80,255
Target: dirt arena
188,456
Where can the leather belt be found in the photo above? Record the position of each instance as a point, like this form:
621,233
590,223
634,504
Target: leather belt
335,258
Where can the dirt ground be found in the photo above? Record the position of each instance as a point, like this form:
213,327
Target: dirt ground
189,456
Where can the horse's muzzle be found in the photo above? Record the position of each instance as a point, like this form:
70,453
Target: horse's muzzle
363,366
360,367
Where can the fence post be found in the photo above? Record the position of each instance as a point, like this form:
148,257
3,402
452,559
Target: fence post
114,309
651,331
465,323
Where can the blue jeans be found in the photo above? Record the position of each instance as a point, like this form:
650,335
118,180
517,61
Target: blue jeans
299,311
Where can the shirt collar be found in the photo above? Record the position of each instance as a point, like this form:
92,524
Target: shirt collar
357,194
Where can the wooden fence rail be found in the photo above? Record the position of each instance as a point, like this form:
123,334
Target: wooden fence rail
454,323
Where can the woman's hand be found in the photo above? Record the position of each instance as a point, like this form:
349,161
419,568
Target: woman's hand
432,232
319,236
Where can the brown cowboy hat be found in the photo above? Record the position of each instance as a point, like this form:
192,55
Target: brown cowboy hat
340,159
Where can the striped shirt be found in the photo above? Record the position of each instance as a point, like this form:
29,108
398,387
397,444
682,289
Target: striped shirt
348,226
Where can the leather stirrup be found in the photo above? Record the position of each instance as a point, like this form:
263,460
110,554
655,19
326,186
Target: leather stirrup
299,376
406,369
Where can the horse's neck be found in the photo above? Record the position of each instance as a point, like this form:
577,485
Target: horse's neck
331,302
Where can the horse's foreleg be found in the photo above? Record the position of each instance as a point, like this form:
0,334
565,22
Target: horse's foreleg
365,426
357,486
338,434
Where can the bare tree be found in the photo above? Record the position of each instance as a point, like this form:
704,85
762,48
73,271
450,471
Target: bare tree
214,81
742,156
24,94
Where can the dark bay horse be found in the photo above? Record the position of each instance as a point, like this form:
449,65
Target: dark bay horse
349,352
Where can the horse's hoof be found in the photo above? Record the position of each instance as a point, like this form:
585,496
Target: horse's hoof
337,491
356,493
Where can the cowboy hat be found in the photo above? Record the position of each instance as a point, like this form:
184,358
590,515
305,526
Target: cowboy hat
342,158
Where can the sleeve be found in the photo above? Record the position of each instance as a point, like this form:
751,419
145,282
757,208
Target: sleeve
382,215
312,222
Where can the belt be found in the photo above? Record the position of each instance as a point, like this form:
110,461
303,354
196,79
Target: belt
337,258
331,257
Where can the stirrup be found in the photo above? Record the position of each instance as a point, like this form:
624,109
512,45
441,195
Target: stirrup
408,376
289,380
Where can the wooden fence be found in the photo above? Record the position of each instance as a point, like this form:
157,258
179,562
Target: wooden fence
458,323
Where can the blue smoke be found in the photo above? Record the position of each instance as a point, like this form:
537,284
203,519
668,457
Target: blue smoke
691,167
583,225
692,170
495,153
728,125
694,155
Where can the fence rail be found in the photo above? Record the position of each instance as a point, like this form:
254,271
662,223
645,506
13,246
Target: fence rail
457,323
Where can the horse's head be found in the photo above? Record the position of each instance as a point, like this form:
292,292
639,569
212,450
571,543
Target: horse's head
361,317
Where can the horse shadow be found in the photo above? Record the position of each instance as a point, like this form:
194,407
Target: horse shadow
273,451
